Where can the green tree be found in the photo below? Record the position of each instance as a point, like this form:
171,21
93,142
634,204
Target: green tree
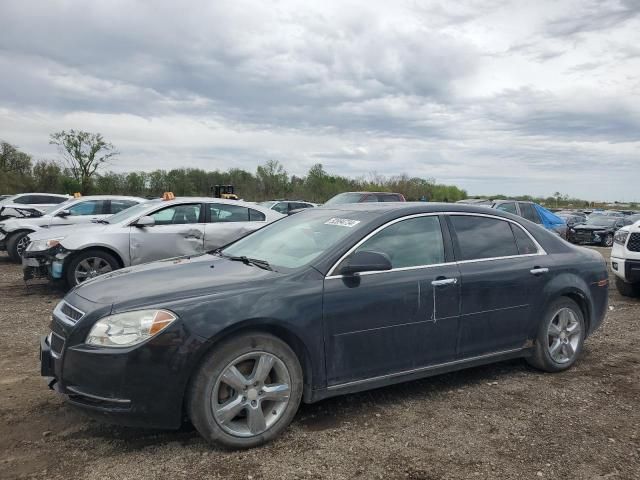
15,169
84,153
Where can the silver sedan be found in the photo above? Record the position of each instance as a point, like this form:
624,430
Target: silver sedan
151,231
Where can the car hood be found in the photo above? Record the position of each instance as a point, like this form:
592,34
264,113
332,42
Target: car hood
171,279
65,230
17,223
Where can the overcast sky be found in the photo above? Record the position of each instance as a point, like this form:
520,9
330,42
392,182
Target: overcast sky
495,96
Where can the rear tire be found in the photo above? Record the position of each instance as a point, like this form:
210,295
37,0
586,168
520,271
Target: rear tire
627,289
228,391
84,261
16,245
560,337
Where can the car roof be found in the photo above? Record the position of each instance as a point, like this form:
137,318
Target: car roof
42,193
110,197
413,207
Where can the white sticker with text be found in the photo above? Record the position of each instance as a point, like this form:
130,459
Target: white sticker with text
342,222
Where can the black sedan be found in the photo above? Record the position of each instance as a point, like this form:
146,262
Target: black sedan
598,230
323,303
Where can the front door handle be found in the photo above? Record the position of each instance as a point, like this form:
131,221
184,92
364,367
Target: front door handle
538,270
444,281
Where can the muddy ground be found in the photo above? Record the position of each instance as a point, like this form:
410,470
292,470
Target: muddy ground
500,421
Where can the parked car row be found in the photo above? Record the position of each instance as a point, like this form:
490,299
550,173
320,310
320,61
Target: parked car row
28,204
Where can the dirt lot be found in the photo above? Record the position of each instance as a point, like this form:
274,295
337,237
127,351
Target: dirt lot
499,421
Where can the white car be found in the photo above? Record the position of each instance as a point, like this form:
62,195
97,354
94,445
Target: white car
14,231
154,230
625,260
27,204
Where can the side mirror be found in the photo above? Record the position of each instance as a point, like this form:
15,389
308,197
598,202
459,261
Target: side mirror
366,261
145,222
63,213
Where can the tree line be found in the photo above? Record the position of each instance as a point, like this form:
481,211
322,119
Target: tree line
84,156
20,173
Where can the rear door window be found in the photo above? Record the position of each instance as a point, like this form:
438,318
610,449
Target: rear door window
409,243
529,212
523,241
281,207
483,237
90,207
256,216
224,213
119,205
26,200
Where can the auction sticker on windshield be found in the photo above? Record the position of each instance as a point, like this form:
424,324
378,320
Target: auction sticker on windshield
342,222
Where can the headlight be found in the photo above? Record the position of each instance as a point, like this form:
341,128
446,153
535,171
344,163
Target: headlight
41,245
621,237
130,328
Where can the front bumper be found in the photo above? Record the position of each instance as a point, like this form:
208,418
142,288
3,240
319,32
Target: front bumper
586,237
141,386
44,264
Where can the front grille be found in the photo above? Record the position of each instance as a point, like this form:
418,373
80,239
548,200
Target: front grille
583,236
57,343
633,245
72,313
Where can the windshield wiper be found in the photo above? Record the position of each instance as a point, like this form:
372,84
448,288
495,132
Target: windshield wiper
100,220
251,261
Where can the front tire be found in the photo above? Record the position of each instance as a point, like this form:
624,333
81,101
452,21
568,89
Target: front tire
560,337
89,264
627,289
246,391
17,244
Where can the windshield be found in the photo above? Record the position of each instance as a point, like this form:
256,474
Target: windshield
61,206
297,240
8,200
267,204
348,197
132,211
602,221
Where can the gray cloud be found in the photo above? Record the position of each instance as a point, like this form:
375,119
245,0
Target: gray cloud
462,91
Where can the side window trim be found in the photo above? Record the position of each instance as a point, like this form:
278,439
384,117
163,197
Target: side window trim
541,251
331,275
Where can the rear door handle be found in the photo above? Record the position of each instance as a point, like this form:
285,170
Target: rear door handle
538,271
444,281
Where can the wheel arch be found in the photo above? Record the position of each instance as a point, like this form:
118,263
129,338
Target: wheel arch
260,325
99,248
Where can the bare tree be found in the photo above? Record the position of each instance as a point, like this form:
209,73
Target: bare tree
84,153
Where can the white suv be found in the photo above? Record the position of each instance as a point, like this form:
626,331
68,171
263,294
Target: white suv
625,260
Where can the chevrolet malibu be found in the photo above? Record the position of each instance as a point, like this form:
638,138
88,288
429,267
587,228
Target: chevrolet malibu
150,231
326,302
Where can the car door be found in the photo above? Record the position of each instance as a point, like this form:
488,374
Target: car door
379,323
178,230
82,212
503,271
226,223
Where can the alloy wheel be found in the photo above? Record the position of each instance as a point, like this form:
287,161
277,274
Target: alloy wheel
563,335
22,245
251,394
91,267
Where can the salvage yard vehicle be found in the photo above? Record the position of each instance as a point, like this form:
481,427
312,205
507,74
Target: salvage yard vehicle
625,260
14,231
28,204
534,213
322,303
598,230
149,231
287,207
364,197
